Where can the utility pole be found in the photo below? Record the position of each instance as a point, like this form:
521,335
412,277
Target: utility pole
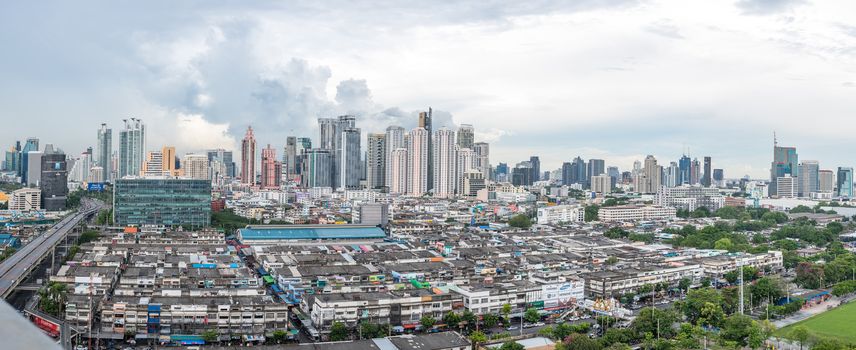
740,266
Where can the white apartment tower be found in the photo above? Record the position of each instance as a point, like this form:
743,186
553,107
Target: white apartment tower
445,163
417,162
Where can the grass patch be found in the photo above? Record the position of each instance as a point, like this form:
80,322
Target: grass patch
837,324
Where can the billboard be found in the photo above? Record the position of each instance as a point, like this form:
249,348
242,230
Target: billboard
48,327
95,186
561,294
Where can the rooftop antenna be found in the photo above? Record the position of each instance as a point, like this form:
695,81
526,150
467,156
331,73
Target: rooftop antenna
775,141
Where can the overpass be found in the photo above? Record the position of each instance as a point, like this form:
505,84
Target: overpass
15,269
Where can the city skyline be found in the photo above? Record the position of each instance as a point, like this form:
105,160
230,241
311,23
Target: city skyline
687,78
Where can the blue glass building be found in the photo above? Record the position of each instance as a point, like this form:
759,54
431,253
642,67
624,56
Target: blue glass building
162,201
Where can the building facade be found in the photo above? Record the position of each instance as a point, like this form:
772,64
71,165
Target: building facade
162,201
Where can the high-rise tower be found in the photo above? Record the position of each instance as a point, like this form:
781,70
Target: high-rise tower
105,151
132,147
248,158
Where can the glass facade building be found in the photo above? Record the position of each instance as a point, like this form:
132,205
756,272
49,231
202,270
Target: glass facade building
162,201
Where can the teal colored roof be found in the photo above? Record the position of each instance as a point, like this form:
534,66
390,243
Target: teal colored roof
337,232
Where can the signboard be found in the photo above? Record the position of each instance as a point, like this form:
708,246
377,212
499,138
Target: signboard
49,327
562,294
95,186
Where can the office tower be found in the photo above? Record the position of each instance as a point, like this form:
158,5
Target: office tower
684,165
482,152
153,165
54,179
578,171
785,162
808,177
96,175
706,178
695,172
271,169
445,160
394,140
376,161
162,201
567,173
195,166
535,164
671,175
104,151
787,186
80,170
349,169
501,173
614,174
844,182
304,144
601,184
826,181
34,168
316,168
289,156
473,182
417,161
718,177
466,136
132,146
651,176
31,145
169,161
595,167
10,162
398,171
522,173
466,162
248,158
223,157
426,122
327,133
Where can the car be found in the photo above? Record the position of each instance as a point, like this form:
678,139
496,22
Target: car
538,324
511,328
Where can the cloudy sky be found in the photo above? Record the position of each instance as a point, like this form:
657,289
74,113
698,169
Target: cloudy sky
612,79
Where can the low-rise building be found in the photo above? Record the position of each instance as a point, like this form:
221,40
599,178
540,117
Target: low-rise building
636,212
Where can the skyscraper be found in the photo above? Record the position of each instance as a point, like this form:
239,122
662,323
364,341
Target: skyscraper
271,169
223,157
695,172
535,164
394,140
445,161
195,166
426,122
132,147
169,161
153,164
578,171
808,178
398,171
482,152
718,177
105,151
327,133
466,163
376,161
652,175
567,173
54,179
248,158
614,174
466,136
31,145
684,165
289,156
844,182
316,168
705,180
826,181
417,162
785,162
595,167
349,168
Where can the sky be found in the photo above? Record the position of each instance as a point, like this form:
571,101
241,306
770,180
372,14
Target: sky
610,79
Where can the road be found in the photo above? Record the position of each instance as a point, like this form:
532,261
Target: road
14,269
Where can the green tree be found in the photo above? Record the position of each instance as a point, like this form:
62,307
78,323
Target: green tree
52,298
279,336
520,221
737,328
477,338
451,319
339,332
506,310
696,299
801,209
531,315
578,341
829,344
591,213
611,260
427,322
723,244
727,213
210,336
655,321
490,320
800,334
685,284
511,345
616,233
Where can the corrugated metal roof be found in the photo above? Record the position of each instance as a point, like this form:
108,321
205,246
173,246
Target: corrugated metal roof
337,232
